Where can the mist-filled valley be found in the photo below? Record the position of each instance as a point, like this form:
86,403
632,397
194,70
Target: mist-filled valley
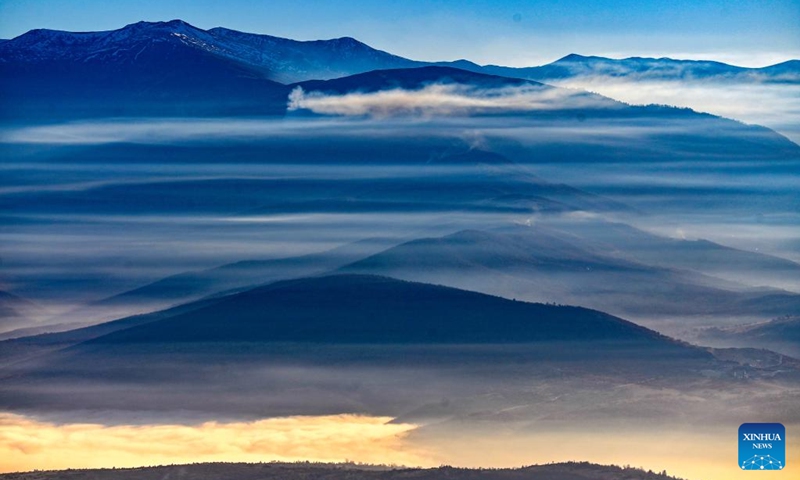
101,223
385,260
94,210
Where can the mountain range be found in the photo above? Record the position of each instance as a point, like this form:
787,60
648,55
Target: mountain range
233,227
291,61
175,69
541,264
652,69
609,266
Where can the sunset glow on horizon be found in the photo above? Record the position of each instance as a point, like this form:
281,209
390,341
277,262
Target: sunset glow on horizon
28,444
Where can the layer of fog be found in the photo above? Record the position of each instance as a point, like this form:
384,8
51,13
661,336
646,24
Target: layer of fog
775,105
238,131
66,257
456,394
62,262
61,257
154,131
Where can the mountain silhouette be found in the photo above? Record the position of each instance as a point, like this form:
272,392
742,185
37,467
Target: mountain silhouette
302,471
412,79
545,264
780,334
142,69
175,69
370,309
646,69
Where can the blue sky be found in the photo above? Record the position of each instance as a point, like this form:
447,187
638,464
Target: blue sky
509,32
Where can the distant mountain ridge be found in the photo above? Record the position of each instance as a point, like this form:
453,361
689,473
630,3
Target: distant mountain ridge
780,334
332,58
175,69
291,61
645,68
541,264
272,58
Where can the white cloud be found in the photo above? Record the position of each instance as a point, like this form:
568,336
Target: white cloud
442,100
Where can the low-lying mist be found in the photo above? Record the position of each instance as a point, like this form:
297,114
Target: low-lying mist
775,105
92,209
447,100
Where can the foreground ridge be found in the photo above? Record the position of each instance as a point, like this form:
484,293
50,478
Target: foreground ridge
348,471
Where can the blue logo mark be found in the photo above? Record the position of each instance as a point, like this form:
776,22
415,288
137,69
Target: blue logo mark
762,446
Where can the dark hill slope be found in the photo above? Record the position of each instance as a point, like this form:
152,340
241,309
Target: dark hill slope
347,309
24,348
411,79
